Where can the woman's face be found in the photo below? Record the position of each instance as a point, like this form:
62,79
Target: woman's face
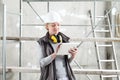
53,28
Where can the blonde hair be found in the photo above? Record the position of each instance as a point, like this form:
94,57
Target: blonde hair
46,25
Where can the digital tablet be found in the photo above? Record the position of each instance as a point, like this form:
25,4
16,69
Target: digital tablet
64,47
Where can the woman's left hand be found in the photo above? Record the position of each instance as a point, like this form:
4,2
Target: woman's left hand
73,52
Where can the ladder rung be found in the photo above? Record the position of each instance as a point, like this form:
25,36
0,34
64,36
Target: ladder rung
106,76
101,31
101,16
107,60
107,45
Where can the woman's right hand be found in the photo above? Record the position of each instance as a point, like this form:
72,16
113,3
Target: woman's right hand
58,47
54,55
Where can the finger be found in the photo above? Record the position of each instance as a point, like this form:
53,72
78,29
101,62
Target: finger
73,50
58,47
70,51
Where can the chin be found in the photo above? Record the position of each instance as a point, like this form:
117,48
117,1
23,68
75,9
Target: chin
55,32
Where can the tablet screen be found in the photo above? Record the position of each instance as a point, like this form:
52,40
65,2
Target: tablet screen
64,47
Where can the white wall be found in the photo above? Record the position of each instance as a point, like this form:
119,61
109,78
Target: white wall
86,55
0,29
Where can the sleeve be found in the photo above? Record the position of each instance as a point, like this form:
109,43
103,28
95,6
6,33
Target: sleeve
44,61
70,58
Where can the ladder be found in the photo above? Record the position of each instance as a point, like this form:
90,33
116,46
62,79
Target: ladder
110,60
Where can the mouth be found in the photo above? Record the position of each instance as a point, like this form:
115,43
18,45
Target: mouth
55,30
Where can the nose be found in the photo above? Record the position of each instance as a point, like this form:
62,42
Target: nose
56,25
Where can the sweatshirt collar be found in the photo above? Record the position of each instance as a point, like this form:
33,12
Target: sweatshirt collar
64,37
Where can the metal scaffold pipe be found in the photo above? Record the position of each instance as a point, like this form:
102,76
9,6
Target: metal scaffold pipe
76,71
4,41
91,39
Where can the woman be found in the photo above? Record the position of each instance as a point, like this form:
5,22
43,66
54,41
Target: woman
53,66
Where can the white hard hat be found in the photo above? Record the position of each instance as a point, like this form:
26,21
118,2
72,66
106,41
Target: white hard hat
51,17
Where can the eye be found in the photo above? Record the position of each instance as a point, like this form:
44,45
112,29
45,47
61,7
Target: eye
57,24
54,24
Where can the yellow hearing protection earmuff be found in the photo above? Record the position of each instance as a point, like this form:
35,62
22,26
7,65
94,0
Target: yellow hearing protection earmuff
56,38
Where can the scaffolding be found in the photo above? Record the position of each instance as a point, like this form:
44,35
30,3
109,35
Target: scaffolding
21,69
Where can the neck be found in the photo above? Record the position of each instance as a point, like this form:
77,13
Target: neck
52,34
